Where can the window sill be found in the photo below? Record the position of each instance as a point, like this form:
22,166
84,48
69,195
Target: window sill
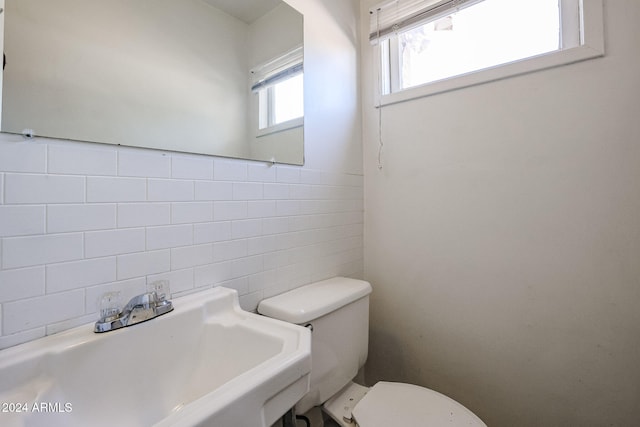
499,72
281,127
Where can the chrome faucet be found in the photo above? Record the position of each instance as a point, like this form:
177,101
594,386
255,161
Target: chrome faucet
139,309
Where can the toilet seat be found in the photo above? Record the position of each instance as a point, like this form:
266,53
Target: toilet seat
398,404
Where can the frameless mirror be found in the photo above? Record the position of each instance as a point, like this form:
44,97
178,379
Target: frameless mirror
218,77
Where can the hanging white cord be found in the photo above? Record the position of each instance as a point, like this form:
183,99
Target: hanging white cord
379,93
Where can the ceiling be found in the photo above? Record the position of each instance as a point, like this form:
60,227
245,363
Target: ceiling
245,10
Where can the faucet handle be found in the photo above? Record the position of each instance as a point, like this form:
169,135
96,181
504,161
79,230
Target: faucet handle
161,289
110,305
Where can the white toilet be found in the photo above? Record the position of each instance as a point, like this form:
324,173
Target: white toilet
337,311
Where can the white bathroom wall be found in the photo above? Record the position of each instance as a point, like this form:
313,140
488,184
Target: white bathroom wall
78,219
273,35
502,239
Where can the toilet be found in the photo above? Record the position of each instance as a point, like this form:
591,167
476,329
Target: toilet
337,312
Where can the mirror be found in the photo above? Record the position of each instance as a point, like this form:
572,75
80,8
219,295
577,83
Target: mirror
218,77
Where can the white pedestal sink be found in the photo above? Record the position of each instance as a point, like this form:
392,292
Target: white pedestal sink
207,363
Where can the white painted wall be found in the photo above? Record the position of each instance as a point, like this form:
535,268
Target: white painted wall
502,239
78,219
274,34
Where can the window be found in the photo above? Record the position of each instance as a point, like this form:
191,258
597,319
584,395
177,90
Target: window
429,46
278,86
281,102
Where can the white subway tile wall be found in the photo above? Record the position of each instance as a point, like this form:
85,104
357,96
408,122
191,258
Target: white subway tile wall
81,219
148,164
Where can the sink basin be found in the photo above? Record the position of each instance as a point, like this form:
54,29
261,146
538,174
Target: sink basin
207,362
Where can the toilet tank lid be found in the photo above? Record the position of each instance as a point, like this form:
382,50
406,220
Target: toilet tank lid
312,301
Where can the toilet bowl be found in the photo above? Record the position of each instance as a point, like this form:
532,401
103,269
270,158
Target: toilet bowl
337,312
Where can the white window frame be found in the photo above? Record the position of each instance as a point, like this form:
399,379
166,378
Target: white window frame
263,80
590,45
266,114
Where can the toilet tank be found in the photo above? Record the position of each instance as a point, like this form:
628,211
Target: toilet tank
337,311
